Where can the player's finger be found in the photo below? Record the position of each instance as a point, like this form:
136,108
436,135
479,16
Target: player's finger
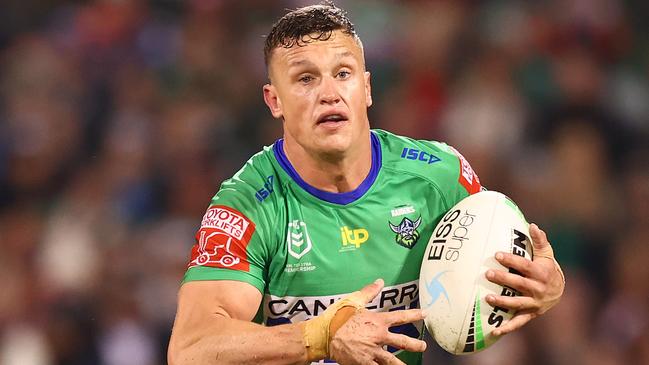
518,263
399,317
517,321
405,342
516,282
370,291
365,360
542,247
385,358
515,303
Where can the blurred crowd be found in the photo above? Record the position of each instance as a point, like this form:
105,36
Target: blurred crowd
119,120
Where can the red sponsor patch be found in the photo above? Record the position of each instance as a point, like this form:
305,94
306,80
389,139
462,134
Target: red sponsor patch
468,178
222,239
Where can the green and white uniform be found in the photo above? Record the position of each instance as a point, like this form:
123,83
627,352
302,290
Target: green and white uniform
304,248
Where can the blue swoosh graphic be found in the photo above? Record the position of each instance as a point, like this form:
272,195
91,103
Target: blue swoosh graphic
436,289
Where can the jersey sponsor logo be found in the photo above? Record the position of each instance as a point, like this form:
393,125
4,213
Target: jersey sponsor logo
290,309
265,192
417,155
227,220
407,233
209,246
222,239
468,178
298,241
353,238
296,309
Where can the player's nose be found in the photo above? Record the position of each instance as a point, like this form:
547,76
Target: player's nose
329,93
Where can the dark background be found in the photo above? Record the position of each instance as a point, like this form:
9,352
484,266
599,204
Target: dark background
119,120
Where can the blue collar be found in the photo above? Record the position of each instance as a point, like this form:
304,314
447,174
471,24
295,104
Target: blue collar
337,198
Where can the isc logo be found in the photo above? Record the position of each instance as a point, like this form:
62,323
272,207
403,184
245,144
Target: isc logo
264,192
355,237
417,155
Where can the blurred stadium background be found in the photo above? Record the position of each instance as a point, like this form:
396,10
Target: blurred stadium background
119,119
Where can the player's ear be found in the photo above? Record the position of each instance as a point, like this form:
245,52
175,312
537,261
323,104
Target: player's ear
368,89
272,100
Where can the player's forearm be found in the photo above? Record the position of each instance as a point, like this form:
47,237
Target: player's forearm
230,341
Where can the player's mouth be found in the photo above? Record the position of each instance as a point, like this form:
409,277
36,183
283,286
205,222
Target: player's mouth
332,119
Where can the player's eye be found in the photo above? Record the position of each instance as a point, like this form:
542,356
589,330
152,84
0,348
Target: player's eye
343,74
305,79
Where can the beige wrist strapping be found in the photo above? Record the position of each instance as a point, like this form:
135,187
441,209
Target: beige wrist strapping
316,331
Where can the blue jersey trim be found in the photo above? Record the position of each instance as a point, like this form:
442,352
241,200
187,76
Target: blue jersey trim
337,198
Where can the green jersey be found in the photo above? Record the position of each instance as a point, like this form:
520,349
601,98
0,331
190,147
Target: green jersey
305,248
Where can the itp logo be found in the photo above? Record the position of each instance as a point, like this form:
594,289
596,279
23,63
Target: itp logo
297,236
354,237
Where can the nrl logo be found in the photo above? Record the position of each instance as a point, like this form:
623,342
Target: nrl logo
407,234
295,239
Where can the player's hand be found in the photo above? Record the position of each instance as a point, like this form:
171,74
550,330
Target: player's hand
360,340
541,284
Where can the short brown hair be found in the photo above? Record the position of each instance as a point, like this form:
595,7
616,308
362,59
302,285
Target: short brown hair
303,25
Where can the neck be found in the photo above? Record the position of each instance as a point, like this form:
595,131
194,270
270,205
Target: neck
337,173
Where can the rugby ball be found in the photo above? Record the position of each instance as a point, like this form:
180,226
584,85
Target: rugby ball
452,282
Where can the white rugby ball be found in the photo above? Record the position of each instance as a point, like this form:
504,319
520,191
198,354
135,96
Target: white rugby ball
452,282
